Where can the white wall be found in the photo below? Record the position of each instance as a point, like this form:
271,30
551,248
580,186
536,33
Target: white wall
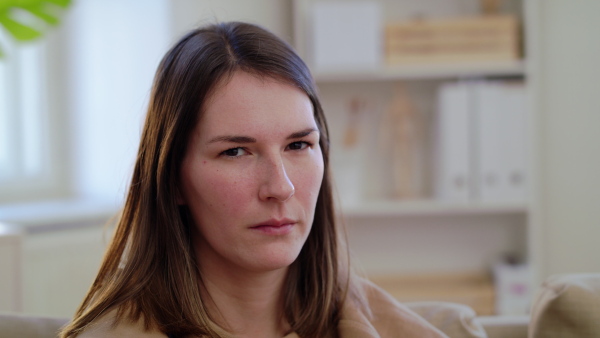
275,15
115,47
569,121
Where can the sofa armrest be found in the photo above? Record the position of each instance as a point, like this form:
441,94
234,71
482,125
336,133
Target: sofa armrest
567,306
23,326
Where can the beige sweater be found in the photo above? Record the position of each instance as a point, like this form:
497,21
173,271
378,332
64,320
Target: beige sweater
380,316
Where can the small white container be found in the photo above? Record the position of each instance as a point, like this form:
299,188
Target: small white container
346,35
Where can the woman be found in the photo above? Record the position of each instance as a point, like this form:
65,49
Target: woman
228,229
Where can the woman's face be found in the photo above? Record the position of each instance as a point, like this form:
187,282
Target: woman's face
252,174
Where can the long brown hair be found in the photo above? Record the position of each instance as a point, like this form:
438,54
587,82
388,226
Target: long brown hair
149,271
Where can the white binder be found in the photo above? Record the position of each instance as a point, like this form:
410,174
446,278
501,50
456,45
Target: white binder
453,140
500,128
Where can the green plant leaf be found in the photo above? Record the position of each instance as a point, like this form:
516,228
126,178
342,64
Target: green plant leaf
18,30
38,10
61,3
45,10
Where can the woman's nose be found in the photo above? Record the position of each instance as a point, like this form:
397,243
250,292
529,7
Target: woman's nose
276,184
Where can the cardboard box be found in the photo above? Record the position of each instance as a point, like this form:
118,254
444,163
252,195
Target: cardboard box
473,289
485,38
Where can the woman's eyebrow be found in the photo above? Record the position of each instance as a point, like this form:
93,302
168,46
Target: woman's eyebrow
233,139
248,139
302,133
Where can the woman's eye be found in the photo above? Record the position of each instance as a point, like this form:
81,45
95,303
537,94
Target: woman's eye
298,145
234,152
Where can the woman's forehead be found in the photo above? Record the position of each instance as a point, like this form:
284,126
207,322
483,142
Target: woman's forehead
239,78
247,102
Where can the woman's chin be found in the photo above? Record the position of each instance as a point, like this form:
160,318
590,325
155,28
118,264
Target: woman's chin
272,261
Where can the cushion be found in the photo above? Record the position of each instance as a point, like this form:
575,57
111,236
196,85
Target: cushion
21,326
567,306
455,320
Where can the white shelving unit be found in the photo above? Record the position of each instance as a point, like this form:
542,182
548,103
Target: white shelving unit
391,208
423,235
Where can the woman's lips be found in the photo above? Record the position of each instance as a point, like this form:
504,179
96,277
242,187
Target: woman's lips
275,227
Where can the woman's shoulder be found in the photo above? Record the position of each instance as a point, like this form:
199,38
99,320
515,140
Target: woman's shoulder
108,326
372,312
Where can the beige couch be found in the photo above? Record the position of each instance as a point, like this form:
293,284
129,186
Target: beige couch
566,306
20,326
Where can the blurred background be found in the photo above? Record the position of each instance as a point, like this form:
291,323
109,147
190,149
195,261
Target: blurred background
465,143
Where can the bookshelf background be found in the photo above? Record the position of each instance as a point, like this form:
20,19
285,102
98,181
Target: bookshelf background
417,235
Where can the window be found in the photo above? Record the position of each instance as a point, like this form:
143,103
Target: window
71,105
26,168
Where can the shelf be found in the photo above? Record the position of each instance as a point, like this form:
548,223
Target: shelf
47,216
425,72
428,208
445,236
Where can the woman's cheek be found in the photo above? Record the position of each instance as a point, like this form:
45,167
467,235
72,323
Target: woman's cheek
231,188
310,180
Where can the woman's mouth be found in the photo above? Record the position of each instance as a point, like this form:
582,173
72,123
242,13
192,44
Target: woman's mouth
275,227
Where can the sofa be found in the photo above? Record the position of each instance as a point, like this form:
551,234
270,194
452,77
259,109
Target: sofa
566,306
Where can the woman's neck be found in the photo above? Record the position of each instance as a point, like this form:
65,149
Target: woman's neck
247,304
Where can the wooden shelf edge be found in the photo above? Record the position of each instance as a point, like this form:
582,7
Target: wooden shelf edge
424,71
